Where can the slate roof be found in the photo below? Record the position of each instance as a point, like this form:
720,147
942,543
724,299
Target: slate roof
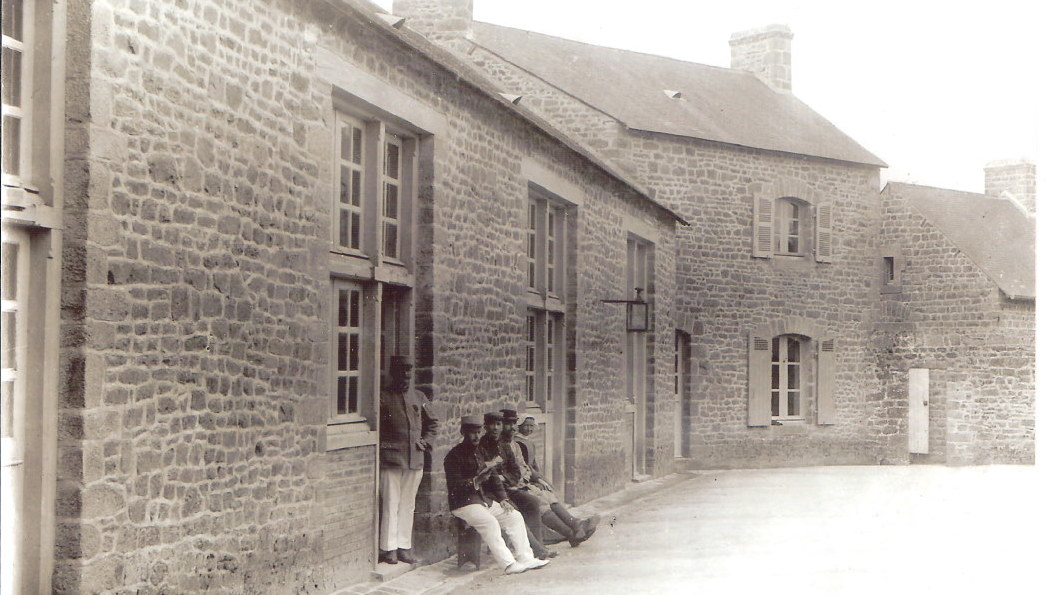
717,104
993,232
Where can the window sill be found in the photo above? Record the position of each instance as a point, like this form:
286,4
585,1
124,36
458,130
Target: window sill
350,435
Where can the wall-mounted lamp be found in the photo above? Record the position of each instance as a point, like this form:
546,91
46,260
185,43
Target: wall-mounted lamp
638,312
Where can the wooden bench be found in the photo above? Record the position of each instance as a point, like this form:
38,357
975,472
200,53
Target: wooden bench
468,544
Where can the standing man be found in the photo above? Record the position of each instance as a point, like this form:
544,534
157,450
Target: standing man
407,427
476,495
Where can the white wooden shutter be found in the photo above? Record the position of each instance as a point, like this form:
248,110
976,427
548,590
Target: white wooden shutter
759,381
763,226
824,234
827,362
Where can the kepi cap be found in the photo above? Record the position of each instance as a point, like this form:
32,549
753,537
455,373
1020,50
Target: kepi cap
470,422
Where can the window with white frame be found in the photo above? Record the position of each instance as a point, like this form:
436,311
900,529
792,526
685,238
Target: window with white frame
545,245
375,169
347,339
791,226
790,218
544,332
786,377
17,84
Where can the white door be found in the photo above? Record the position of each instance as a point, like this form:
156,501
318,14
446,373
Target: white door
919,411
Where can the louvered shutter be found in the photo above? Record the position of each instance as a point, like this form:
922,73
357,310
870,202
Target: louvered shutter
827,363
824,234
763,226
759,381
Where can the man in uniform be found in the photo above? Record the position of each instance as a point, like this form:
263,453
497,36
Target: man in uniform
476,495
525,473
407,427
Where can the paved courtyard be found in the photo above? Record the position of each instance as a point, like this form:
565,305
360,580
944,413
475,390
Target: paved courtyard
861,530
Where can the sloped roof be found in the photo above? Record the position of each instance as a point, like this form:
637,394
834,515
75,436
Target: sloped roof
717,104
993,232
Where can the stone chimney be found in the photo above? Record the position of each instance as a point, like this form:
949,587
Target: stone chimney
1016,177
765,52
438,20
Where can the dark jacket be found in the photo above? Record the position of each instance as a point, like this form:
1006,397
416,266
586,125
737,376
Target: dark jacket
462,464
404,419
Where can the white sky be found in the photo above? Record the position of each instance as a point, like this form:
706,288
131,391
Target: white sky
936,89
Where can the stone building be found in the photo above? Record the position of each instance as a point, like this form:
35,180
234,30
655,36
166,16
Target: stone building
957,342
241,211
222,218
776,274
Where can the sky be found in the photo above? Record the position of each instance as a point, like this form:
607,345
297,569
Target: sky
935,89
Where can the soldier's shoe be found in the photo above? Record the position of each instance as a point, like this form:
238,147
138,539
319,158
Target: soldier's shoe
534,564
388,557
405,556
591,525
515,568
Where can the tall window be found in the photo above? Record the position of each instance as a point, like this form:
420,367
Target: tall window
786,377
543,343
16,84
545,245
347,340
375,169
787,226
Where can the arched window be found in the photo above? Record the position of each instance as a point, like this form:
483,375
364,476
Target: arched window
791,377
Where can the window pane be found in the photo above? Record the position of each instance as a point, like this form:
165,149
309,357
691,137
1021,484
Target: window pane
343,308
354,394
12,16
342,392
793,378
344,190
10,278
343,352
354,352
356,188
774,350
775,375
12,73
354,308
392,160
774,404
392,201
10,323
794,245
794,403
391,240
357,146
794,350
12,135
346,141
7,408
354,231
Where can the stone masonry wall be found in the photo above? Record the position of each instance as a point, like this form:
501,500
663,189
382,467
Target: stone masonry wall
978,345
723,292
196,295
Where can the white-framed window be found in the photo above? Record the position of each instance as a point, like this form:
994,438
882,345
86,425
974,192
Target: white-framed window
17,85
347,334
544,341
791,226
787,374
374,185
545,245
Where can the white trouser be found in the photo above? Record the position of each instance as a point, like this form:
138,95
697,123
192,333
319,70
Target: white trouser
489,522
398,487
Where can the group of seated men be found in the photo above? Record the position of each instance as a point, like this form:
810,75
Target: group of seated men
495,486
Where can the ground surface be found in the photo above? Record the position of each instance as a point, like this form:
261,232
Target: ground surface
862,530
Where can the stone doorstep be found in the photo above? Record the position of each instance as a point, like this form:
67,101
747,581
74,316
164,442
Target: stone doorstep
443,577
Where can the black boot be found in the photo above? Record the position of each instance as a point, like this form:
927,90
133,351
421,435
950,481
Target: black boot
389,557
405,556
554,522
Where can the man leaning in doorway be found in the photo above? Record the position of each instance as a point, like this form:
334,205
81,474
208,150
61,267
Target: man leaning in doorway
407,427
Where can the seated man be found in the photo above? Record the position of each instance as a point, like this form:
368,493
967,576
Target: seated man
527,504
558,518
476,495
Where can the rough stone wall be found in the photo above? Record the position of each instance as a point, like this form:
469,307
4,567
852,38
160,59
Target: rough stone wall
196,295
723,292
979,346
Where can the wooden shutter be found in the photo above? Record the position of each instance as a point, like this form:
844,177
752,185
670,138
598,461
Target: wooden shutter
759,381
763,226
824,234
827,363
